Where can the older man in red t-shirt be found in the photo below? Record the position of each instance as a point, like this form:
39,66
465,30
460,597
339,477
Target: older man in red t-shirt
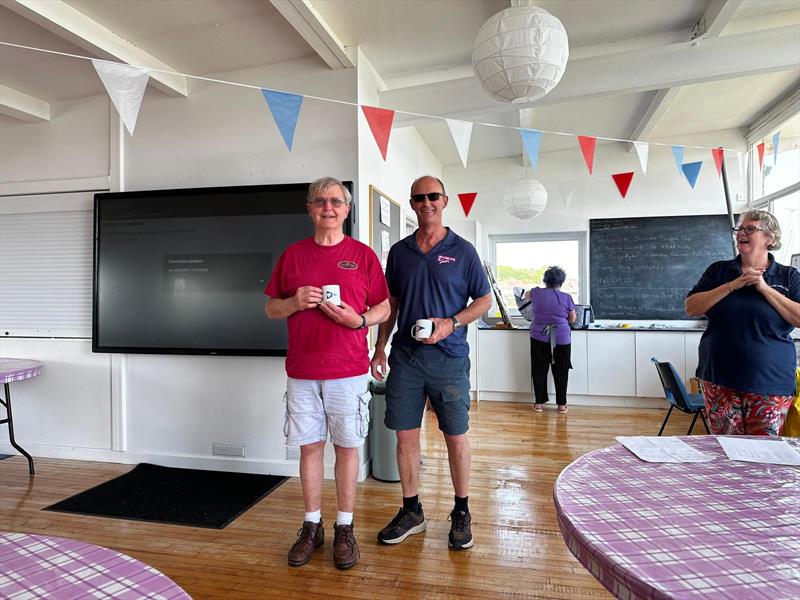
328,360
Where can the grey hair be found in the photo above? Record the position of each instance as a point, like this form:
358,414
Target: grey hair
554,277
418,179
768,222
322,184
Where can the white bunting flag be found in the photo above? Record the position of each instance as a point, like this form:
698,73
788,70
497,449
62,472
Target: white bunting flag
643,151
461,132
566,191
741,156
125,86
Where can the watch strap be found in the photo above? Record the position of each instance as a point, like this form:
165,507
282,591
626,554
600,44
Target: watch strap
363,322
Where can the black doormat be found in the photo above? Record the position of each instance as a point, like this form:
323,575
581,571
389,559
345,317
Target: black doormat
168,495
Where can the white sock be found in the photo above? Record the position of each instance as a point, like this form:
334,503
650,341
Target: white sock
343,518
313,517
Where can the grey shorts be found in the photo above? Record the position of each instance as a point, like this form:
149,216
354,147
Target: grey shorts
316,408
422,372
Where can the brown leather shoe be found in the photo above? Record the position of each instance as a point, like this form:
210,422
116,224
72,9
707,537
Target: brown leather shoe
309,537
345,549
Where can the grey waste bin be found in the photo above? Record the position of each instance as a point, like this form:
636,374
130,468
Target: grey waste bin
383,441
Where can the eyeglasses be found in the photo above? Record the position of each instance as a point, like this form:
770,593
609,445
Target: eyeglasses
433,197
334,202
749,230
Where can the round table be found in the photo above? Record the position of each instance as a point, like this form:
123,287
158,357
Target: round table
720,529
11,370
38,566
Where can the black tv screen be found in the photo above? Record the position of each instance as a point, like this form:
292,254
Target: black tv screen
183,271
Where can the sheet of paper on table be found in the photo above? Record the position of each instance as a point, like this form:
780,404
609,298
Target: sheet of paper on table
663,449
775,452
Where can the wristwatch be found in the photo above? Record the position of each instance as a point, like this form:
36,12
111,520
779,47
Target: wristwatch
363,322
456,324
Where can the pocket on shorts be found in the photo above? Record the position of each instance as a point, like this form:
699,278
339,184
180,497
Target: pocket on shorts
362,417
286,414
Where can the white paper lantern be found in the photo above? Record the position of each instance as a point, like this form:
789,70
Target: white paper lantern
520,54
525,199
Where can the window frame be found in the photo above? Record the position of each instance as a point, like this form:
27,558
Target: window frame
563,236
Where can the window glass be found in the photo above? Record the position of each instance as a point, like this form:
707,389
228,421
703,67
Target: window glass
781,170
522,263
787,210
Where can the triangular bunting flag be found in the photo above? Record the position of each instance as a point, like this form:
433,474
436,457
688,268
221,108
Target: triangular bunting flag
587,147
623,181
775,140
285,109
677,154
461,132
125,86
760,149
691,171
531,140
643,151
718,154
467,200
741,158
380,124
567,192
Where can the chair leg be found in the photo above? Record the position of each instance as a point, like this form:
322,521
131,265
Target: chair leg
693,422
664,424
703,419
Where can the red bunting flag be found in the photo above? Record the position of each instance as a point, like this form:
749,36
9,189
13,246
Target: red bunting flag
587,147
467,200
380,123
717,153
760,148
623,181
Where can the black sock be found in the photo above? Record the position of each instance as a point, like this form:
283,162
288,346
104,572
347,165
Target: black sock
411,503
462,504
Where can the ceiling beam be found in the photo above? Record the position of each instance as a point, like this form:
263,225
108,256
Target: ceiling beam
60,18
314,30
22,106
718,14
642,70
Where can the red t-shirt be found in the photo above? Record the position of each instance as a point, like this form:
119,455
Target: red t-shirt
318,347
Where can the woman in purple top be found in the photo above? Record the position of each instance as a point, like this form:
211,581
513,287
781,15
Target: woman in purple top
551,342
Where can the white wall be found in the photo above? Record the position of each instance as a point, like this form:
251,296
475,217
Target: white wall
170,409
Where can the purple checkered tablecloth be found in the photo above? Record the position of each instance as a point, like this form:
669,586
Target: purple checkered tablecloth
720,529
37,566
18,369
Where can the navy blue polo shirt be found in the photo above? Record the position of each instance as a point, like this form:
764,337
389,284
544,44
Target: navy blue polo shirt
747,345
437,284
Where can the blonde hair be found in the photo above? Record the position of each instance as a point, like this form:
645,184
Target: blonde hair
768,222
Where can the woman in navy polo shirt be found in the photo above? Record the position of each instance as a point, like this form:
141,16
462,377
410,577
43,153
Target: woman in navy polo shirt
746,356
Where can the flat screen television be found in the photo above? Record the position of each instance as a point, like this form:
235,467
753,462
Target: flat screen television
183,271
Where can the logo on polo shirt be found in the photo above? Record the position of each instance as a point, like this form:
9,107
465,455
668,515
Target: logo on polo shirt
348,264
443,260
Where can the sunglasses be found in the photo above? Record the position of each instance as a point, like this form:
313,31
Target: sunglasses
433,197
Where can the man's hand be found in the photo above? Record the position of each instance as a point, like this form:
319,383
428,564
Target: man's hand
378,365
343,315
441,329
307,296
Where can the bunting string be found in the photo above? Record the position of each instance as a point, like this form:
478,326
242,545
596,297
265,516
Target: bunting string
347,103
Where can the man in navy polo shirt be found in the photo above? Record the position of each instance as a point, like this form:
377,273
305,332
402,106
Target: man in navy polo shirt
432,274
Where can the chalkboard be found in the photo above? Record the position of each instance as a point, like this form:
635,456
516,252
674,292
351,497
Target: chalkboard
642,268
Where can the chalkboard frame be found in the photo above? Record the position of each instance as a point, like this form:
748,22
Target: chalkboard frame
641,268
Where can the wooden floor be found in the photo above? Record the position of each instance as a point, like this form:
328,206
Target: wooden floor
518,552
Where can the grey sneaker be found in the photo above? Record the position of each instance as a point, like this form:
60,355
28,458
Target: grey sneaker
406,523
460,537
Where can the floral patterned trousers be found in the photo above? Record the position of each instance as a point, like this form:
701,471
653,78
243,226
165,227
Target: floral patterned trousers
731,412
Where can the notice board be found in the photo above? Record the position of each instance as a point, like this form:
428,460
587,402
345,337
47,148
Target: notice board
643,267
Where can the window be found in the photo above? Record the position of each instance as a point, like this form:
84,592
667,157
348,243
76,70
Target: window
521,260
776,187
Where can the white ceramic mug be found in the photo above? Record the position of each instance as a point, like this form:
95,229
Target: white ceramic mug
422,329
331,293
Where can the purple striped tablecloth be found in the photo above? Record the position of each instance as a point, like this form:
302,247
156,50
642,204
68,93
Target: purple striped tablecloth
18,369
37,566
721,529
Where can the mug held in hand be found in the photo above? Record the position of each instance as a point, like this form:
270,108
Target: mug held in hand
422,329
332,294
